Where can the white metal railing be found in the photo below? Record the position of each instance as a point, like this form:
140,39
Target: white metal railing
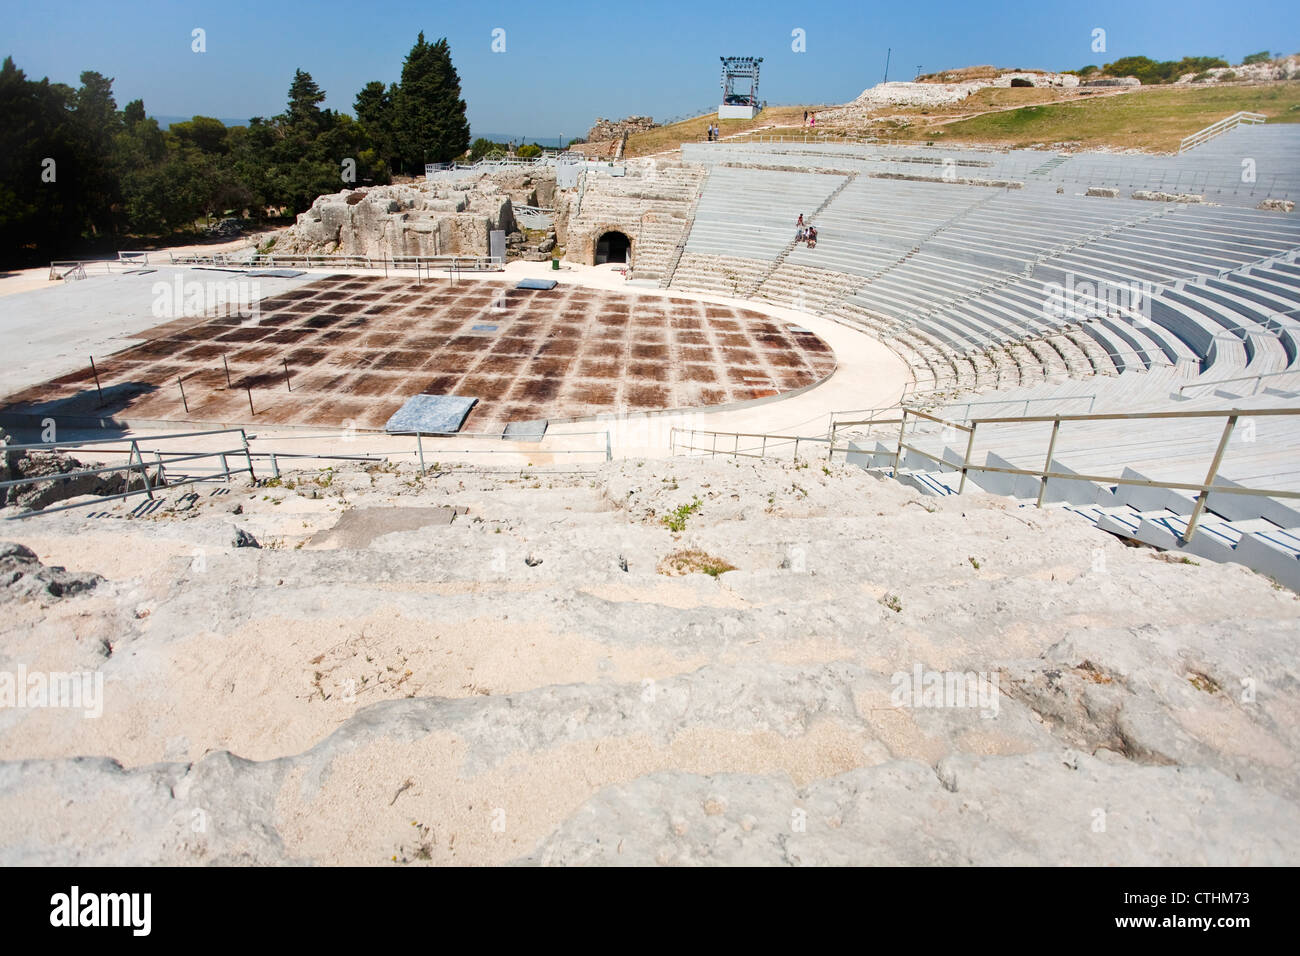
1257,379
136,467
690,436
421,264
547,157
1217,129
148,475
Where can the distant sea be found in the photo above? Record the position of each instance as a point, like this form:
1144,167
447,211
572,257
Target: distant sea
166,121
552,141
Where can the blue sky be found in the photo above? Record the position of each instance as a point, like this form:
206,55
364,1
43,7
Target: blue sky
567,62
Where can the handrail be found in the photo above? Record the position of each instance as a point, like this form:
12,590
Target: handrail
1046,473
1239,378
419,263
1220,127
166,436
1132,416
164,459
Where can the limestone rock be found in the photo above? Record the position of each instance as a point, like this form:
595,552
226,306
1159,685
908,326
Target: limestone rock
1277,205
23,577
615,129
424,219
1157,196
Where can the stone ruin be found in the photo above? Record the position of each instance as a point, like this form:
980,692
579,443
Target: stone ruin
417,219
616,129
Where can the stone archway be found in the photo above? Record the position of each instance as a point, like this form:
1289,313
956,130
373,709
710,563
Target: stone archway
613,246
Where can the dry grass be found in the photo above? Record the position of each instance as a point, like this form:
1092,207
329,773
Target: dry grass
988,99
695,130
965,74
1153,118
694,561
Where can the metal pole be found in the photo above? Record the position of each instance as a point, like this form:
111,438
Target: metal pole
275,466
1047,465
225,466
162,472
970,443
248,457
227,367
250,400
180,380
419,447
287,383
93,371
1209,478
144,475
902,430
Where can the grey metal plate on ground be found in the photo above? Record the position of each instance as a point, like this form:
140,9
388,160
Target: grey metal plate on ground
542,284
799,328
431,414
278,273
525,431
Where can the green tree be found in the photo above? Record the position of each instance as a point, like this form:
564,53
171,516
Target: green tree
43,151
374,109
96,113
203,133
429,116
1263,56
133,113
305,97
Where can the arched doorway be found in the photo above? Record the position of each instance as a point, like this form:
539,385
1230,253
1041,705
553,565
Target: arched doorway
612,247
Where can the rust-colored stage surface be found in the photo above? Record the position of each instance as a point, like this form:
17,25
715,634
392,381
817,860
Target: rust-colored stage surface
358,347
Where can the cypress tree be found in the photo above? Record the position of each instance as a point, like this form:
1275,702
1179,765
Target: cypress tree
429,115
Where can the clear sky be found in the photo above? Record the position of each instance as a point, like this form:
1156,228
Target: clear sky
568,61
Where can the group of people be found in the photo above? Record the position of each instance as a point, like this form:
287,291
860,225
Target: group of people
810,119
713,132
805,232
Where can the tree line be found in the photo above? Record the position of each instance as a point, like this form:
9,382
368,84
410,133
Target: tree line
1155,72
77,173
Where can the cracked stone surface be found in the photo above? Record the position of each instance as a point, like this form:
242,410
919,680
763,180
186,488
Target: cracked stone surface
490,668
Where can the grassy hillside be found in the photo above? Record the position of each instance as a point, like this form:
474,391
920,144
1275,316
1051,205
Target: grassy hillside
694,130
1154,118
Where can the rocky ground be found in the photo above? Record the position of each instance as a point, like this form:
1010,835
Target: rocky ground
374,667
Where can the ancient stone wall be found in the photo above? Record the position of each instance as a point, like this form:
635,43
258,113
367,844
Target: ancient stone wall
614,129
422,219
